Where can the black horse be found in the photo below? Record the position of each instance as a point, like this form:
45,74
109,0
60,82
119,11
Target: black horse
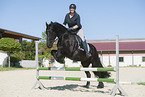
69,45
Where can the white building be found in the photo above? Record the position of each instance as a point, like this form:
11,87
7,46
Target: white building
3,58
131,52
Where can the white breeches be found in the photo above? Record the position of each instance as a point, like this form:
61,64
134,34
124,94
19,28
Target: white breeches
81,34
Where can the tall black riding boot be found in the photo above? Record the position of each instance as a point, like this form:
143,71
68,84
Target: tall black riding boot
86,48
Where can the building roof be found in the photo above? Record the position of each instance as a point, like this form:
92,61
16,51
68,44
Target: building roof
16,35
124,45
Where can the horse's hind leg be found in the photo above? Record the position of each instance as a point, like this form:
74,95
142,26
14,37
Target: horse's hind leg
98,73
86,64
88,76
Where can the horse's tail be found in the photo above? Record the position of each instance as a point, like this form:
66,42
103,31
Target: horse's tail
102,74
97,63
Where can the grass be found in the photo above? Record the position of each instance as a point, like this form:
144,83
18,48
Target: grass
13,68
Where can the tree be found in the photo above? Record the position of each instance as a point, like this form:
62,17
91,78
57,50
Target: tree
10,45
26,45
16,57
45,52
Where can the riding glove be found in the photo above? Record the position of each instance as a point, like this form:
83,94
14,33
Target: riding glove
70,29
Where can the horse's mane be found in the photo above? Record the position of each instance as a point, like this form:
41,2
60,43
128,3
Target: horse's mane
59,26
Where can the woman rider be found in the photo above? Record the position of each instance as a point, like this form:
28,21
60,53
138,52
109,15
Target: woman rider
73,21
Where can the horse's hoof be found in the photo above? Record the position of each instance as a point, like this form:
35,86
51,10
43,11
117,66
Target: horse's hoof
101,85
87,86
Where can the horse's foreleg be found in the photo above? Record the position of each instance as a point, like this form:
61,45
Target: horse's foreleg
86,64
58,56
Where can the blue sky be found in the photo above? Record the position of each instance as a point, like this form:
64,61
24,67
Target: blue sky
101,19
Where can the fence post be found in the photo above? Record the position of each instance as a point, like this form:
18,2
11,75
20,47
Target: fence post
37,66
117,86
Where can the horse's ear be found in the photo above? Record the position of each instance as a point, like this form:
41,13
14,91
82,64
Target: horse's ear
46,24
51,22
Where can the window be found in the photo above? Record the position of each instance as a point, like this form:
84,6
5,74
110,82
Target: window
121,59
143,59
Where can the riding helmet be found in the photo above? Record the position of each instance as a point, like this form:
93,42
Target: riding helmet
72,6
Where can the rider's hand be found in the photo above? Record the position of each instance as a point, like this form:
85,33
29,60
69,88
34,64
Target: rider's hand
69,29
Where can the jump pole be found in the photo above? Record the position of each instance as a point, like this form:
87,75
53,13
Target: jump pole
117,86
37,71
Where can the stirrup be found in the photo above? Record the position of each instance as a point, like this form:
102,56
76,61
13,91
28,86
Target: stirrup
88,54
81,48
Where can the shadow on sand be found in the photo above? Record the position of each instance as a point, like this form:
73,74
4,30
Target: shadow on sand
75,87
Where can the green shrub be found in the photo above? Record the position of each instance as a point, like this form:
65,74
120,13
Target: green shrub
109,66
16,57
9,44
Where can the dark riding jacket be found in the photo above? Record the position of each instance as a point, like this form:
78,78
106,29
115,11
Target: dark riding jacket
75,20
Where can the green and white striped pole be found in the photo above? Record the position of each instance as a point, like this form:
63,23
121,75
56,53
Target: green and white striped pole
76,69
77,79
